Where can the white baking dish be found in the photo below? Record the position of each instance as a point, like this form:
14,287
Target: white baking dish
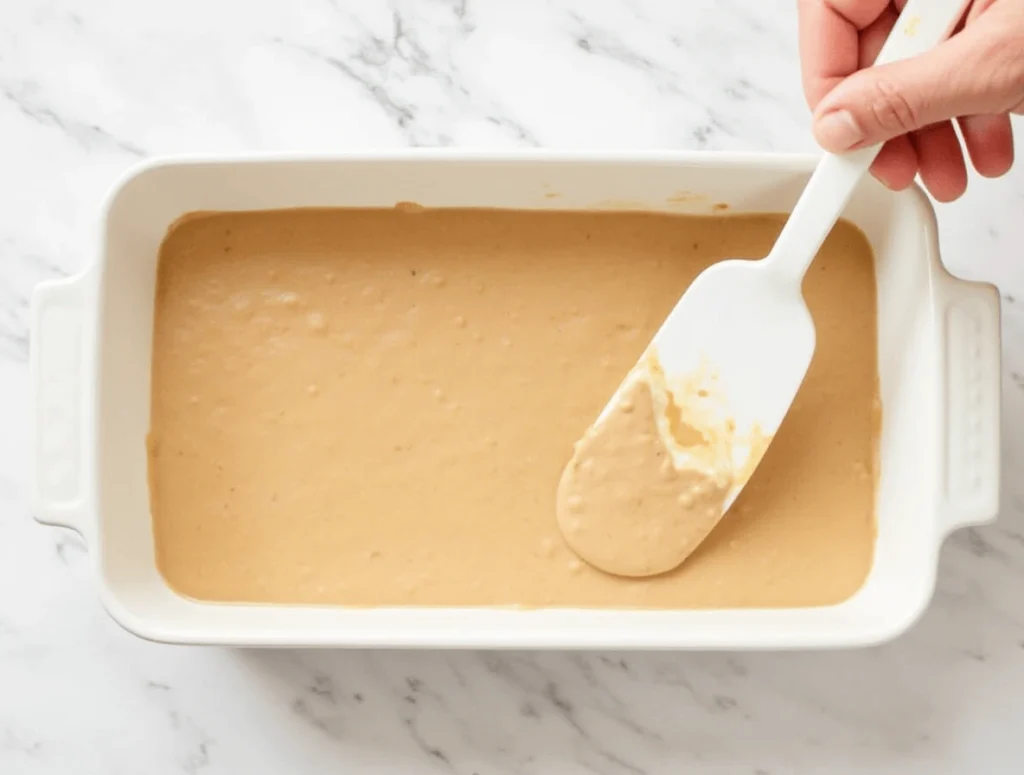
91,347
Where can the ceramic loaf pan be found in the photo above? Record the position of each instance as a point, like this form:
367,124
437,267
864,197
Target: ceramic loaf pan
90,363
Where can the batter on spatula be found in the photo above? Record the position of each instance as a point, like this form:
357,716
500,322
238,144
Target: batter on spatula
649,481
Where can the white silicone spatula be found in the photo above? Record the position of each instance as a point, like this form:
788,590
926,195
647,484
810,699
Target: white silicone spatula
746,320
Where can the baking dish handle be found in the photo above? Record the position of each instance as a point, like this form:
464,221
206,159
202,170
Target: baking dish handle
971,362
55,364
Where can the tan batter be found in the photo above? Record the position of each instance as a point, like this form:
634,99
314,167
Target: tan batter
624,505
375,408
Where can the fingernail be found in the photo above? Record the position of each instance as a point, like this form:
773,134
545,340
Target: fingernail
837,131
882,179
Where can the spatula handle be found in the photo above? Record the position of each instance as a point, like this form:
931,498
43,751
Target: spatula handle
922,26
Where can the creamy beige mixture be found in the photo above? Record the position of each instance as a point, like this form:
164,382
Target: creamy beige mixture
656,472
375,407
624,505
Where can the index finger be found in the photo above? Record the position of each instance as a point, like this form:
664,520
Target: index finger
829,41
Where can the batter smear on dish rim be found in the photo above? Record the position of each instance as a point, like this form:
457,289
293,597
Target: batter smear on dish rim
375,408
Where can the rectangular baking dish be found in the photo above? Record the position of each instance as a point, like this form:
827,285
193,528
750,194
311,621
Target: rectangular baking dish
939,362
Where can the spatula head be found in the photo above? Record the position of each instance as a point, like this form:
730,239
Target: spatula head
745,325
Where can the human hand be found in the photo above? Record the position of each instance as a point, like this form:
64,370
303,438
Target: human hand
976,78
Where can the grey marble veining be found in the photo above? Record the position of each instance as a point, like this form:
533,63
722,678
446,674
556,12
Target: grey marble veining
89,87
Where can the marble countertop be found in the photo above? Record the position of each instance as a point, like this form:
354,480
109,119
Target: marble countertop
87,87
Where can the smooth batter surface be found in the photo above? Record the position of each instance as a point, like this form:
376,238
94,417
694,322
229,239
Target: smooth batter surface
375,408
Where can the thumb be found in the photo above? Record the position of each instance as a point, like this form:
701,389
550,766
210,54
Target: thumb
979,71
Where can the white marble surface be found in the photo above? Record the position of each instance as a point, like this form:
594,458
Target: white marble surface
88,87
